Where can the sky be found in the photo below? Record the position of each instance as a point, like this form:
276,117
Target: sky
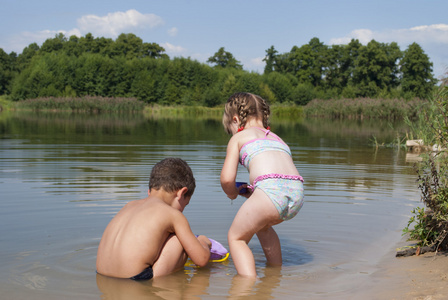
245,28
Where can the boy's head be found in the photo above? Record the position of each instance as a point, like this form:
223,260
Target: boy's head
172,174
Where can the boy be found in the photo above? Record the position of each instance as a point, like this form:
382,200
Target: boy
151,237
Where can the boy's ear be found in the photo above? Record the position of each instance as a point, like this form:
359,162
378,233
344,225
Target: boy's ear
181,192
149,192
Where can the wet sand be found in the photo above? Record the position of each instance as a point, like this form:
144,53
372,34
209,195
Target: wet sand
423,277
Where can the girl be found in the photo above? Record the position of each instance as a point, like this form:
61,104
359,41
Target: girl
276,190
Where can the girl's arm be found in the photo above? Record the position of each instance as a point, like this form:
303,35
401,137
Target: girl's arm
229,169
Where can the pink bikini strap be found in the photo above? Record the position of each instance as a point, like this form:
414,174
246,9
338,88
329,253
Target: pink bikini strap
275,175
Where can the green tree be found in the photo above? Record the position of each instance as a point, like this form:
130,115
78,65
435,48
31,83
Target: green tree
307,63
7,71
280,85
270,60
341,64
224,59
282,62
376,68
153,50
24,59
55,44
128,45
416,71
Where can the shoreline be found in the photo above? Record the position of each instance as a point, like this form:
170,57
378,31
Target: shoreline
417,277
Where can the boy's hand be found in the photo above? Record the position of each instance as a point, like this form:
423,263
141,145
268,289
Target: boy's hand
205,241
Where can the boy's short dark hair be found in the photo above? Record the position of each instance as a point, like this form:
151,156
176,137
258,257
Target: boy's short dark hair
172,174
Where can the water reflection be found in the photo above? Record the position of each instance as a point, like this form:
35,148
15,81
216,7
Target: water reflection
167,287
193,286
64,176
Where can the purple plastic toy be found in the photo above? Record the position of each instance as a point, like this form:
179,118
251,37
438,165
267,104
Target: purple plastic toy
243,190
217,251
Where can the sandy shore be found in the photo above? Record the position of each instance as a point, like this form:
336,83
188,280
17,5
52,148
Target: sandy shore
423,277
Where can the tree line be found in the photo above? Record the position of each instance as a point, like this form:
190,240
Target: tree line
129,67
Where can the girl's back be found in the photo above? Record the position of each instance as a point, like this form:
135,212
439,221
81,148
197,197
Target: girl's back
263,152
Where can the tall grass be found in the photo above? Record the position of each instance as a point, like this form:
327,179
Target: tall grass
159,111
82,104
429,225
282,112
364,108
5,103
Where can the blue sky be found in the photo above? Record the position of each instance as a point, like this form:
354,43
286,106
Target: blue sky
246,28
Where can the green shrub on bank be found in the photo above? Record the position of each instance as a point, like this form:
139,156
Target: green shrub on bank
429,225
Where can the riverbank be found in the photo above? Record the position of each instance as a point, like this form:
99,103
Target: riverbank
423,277
358,109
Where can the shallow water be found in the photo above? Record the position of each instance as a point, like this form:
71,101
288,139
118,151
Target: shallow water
63,177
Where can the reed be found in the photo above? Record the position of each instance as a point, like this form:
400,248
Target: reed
286,111
5,103
390,109
363,108
82,104
159,111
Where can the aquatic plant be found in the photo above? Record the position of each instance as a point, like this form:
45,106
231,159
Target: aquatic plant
429,225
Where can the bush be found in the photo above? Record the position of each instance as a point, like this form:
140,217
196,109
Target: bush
431,223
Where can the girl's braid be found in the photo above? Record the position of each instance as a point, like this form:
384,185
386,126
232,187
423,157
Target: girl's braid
266,112
262,110
242,109
247,104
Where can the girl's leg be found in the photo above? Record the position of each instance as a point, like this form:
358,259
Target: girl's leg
171,258
256,213
271,245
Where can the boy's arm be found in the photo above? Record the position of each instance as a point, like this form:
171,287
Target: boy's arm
197,248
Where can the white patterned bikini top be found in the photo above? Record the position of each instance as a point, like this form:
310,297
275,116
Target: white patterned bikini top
254,147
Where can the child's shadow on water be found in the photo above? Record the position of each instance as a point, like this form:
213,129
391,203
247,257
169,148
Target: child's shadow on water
292,254
295,255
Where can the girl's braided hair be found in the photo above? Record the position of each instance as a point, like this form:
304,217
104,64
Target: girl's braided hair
245,105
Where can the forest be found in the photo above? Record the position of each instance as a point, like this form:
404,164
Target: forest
127,67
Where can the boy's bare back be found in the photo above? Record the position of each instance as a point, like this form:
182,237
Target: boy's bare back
151,232
134,237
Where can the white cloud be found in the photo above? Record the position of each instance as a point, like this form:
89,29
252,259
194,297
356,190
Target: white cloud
437,33
173,50
257,61
173,31
254,64
110,25
116,23
24,39
363,35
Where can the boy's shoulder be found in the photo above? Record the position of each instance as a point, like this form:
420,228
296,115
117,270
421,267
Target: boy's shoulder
150,211
151,204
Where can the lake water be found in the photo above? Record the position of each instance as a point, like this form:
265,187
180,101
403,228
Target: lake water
64,176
